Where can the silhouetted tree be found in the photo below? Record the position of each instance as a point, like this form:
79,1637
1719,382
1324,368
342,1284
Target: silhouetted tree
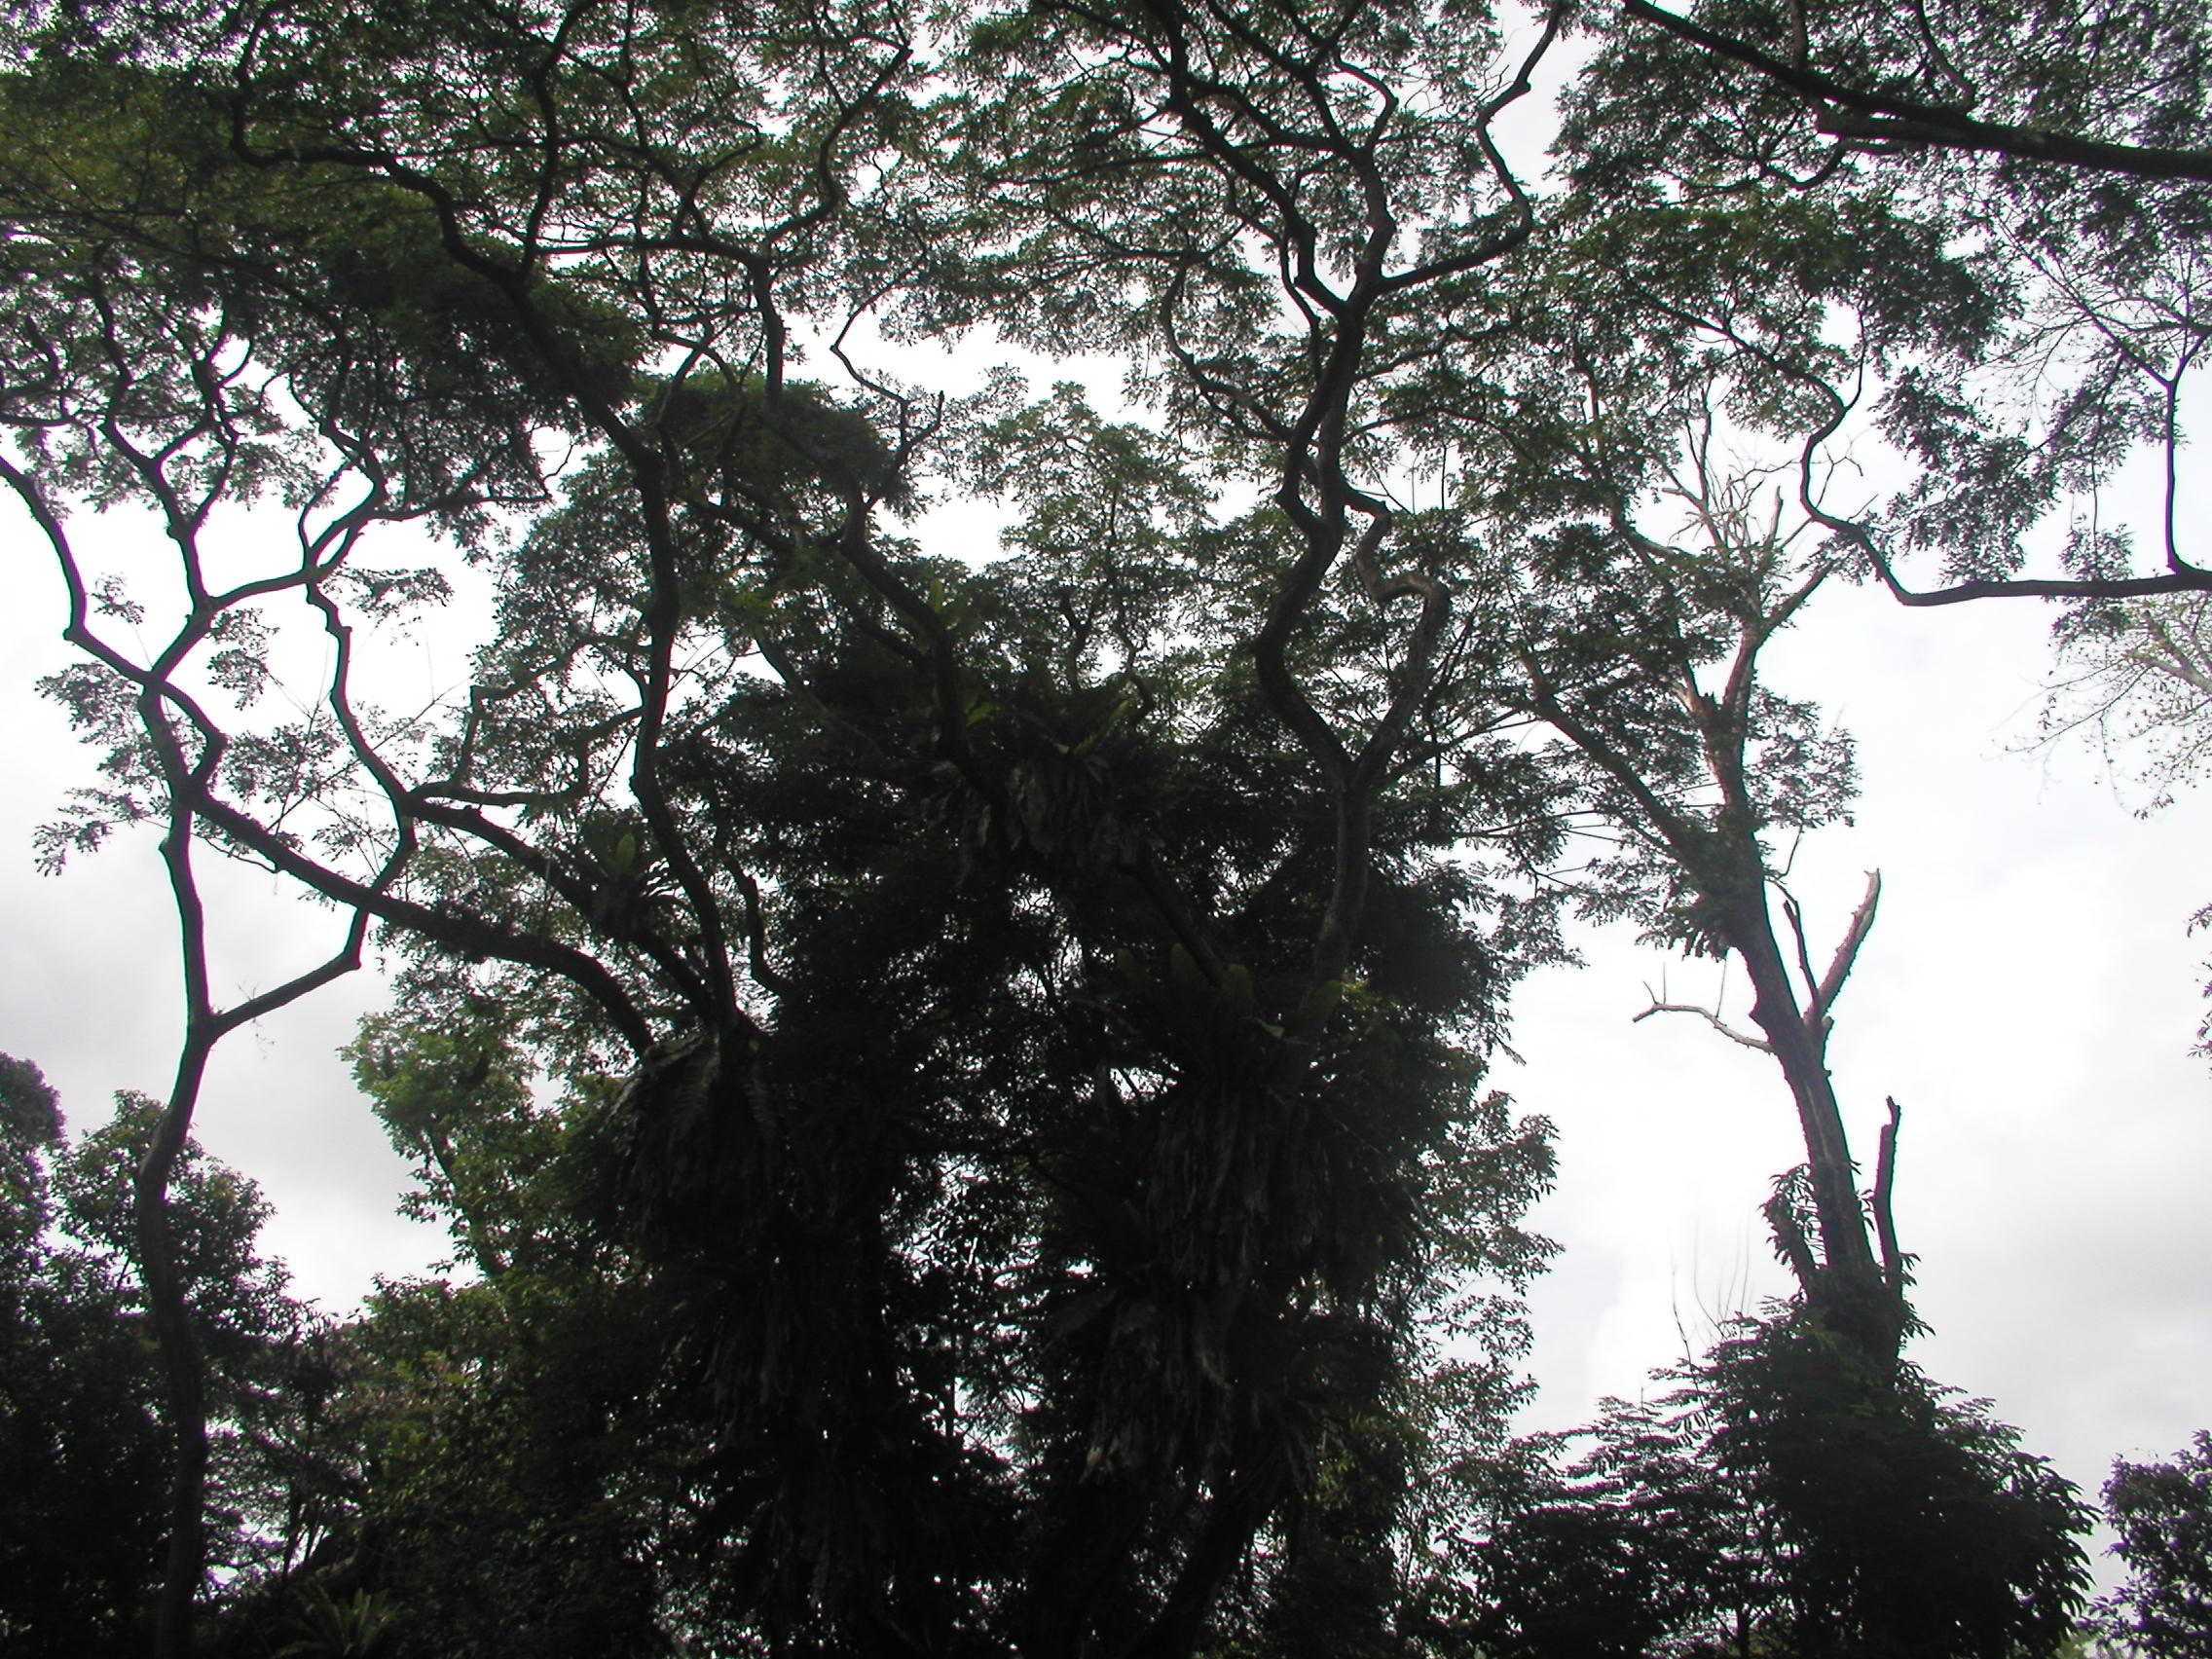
2163,1513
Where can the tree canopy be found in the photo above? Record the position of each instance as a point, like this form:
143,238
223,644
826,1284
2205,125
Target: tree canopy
960,1069
81,1445
2165,1607
1779,1500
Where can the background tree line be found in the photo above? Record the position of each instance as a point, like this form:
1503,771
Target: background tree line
960,1081
487,1467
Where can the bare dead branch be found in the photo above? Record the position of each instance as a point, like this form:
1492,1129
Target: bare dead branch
1845,953
1709,1017
1878,1201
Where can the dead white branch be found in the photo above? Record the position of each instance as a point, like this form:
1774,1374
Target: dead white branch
1707,1015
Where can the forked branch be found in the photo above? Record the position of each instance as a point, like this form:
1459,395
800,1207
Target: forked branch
1710,1017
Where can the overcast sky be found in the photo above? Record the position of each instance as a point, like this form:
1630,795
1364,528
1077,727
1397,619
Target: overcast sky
2029,995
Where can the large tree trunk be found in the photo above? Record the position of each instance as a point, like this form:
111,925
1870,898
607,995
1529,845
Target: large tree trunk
1852,1284
169,1310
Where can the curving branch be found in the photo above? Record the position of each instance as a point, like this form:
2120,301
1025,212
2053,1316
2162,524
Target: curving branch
1860,117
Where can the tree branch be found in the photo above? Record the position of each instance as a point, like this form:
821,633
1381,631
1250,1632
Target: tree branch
1845,953
1884,117
1709,1017
1878,1201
